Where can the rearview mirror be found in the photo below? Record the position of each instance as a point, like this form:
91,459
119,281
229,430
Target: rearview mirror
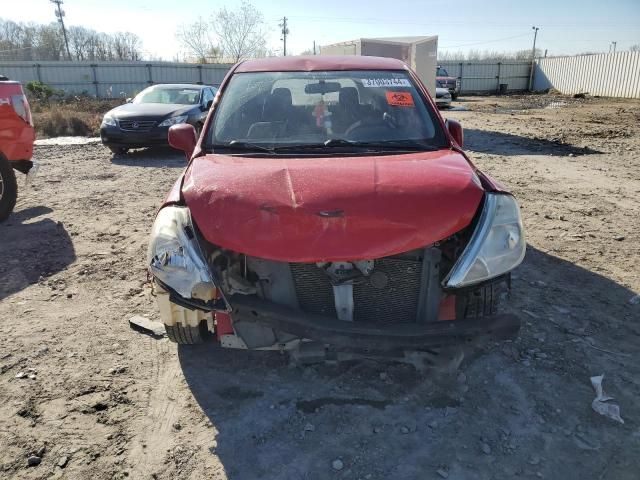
183,137
455,130
322,87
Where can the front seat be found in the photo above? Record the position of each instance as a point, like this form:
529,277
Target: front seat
277,111
347,111
278,106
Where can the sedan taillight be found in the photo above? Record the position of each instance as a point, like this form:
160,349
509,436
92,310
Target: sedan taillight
21,107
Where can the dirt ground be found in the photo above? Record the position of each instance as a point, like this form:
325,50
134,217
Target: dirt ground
107,402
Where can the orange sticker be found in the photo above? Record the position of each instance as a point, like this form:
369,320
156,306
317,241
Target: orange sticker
400,99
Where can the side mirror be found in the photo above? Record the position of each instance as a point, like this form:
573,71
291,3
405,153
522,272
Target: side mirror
207,106
455,130
129,100
183,137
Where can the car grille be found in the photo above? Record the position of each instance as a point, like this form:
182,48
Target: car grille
395,299
136,125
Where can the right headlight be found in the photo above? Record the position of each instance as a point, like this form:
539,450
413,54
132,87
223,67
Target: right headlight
109,120
174,256
173,121
497,244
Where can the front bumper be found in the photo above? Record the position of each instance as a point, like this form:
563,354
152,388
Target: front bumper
367,335
114,136
443,101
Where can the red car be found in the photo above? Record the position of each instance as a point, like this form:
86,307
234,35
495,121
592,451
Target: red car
444,80
16,142
327,207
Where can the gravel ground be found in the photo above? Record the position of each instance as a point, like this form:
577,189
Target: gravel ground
84,396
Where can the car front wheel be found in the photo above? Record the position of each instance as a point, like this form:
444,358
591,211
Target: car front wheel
118,150
186,335
8,189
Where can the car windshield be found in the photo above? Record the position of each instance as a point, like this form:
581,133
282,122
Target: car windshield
175,95
285,110
442,72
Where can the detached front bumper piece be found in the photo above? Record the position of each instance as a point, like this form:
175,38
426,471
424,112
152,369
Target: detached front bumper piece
370,335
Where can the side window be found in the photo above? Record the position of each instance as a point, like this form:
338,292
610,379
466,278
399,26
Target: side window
207,96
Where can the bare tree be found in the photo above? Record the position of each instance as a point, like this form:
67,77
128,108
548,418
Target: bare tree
196,38
241,33
477,55
31,41
126,46
635,48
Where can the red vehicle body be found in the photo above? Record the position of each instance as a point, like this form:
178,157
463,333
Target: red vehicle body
16,141
261,222
444,80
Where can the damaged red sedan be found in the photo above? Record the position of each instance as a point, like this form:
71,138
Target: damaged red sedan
327,206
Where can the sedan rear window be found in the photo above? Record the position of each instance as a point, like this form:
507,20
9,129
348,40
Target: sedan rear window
275,109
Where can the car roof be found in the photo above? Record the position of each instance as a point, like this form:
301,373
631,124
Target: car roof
320,62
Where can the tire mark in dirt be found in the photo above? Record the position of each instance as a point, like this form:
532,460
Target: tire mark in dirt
151,432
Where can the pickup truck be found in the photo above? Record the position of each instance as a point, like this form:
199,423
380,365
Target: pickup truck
446,81
16,141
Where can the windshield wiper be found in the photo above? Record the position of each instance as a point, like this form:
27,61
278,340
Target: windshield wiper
400,145
241,145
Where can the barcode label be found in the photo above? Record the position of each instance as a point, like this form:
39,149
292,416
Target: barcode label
385,82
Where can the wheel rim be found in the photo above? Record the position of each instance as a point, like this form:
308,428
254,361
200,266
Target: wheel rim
1,186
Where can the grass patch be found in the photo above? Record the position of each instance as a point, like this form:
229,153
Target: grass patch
75,116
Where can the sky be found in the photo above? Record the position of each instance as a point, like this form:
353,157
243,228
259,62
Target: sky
566,26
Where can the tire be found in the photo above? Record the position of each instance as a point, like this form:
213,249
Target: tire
8,189
118,150
188,335
454,96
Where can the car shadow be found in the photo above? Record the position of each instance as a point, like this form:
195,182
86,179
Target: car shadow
151,157
31,247
264,411
499,143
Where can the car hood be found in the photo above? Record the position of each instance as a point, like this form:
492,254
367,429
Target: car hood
150,110
331,208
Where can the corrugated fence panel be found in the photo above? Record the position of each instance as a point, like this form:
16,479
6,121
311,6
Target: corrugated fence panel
483,77
112,79
615,74
607,75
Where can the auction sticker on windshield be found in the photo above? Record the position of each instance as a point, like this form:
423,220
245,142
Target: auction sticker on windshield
400,99
385,82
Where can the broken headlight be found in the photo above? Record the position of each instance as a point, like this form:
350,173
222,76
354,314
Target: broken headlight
174,256
496,246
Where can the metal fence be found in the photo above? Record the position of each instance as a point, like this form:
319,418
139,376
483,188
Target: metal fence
485,77
112,79
607,75
614,74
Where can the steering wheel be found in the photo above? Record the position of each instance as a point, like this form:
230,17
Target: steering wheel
387,122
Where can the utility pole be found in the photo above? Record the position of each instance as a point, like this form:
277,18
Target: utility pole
60,15
614,46
314,47
285,32
533,56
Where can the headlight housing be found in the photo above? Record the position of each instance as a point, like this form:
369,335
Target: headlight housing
173,121
174,256
497,245
109,120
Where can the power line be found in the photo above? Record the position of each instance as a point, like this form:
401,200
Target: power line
488,41
60,15
386,21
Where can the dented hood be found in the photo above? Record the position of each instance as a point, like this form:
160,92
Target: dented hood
331,208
